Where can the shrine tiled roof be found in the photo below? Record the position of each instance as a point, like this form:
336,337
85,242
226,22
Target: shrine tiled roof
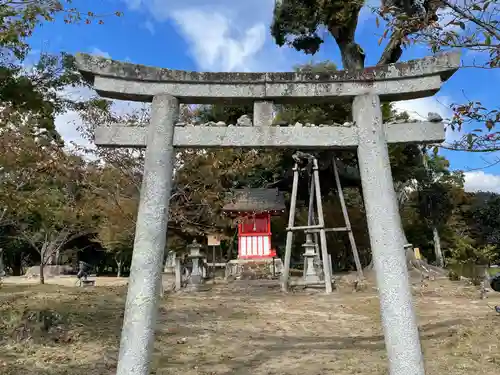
254,200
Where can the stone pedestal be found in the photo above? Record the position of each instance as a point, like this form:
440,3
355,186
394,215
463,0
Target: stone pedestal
253,269
311,271
196,257
170,262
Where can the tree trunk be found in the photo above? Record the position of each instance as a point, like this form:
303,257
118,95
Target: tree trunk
2,268
43,261
119,271
119,264
42,277
17,264
57,257
437,247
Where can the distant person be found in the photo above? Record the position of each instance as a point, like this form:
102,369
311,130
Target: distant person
83,270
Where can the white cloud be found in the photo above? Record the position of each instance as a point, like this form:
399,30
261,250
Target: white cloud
213,44
480,181
419,108
224,35
67,123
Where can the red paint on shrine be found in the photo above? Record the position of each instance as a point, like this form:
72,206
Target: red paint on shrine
254,237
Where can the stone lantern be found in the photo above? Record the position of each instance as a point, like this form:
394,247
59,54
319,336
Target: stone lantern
310,253
196,257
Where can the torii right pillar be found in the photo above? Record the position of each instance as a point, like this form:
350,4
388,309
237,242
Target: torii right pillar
384,225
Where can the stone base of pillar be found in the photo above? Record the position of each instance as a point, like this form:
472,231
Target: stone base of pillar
254,269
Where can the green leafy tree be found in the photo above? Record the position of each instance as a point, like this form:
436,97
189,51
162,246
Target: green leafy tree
300,24
33,98
436,196
44,194
20,18
115,205
474,26
37,91
485,218
440,25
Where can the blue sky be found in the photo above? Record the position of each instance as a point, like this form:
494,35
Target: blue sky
233,35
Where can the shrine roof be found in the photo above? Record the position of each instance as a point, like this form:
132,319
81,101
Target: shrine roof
254,200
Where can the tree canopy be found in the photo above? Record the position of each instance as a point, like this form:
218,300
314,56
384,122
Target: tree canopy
438,25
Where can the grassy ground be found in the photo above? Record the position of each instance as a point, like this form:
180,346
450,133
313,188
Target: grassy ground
230,329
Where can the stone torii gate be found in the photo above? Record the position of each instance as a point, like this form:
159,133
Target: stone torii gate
166,89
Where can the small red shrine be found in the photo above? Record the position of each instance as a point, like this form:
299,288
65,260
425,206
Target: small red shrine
253,209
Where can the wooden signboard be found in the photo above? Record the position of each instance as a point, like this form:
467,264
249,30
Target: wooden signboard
418,256
213,239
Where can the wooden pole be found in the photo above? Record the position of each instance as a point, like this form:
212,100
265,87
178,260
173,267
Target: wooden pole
359,269
310,217
213,263
289,235
322,234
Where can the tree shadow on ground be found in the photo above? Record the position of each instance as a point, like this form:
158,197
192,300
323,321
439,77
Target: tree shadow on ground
335,343
266,347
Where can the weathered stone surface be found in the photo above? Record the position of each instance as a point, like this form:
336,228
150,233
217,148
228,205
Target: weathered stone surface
387,244
410,80
317,137
444,64
263,114
434,117
149,247
312,273
196,257
403,121
244,121
253,269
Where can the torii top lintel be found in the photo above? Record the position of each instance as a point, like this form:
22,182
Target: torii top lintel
401,81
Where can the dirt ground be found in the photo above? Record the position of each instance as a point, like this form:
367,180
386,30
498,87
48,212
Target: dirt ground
239,329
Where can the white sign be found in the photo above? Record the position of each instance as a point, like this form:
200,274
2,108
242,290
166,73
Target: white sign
213,239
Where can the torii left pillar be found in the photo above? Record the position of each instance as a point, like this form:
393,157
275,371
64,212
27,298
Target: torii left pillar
139,322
